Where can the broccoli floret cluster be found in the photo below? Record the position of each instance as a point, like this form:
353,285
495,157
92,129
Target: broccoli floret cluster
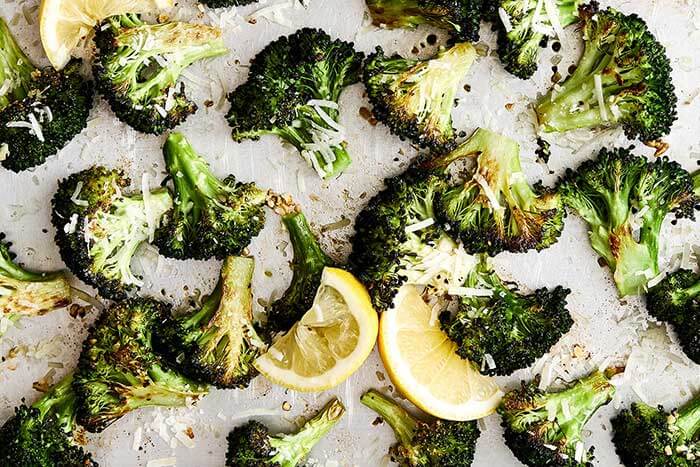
292,91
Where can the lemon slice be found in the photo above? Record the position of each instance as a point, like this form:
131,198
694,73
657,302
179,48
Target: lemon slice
422,363
330,342
64,23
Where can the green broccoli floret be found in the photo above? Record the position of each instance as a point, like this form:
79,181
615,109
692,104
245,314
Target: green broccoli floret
501,328
211,217
545,428
675,300
415,98
495,209
217,343
118,370
292,91
252,445
98,228
42,435
139,64
529,25
461,17
27,293
41,110
648,436
420,444
624,199
622,79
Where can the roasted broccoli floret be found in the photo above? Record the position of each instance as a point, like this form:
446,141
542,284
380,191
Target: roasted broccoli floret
675,300
545,428
139,64
217,343
118,370
500,328
42,435
252,445
421,444
622,79
648,436
292,91
98,228
461,17
27,293
624,199
415,98
41,110
210,217
495,208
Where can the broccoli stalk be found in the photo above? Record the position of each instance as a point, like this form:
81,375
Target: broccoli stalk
420,444
252,445
15,68
622,79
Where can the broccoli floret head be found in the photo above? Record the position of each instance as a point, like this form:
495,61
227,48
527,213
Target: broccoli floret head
210,217
217,343
15,68
139,64
422,444
414,98
118,370
252,445
98,228
646,436
619,193
292,91
504,329
545,428
461,17
41,435
622,79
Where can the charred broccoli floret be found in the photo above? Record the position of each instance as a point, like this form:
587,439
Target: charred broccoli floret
545,428
217,343
252,445
139,64
502,329
118,370
98,228
414,98
624,199
292,91
41,435
648,436
420,444
41,110
210,217
622,79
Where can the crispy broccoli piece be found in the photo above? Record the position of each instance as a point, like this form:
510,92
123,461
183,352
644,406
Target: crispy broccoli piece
118,370
646,436
211,217
675,300
217,343
252,445
461,17
420,444
41,110
502,328
139,64
622,79
41,435
98,228
414,98
545,428
624,199
495,209
292,91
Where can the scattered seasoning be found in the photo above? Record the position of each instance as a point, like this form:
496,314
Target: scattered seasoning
414,50
377,421
286,406
602,263
268,273
189,432
556,77
431,39
571,69
366,114
556,46
208,103
467,87
509,106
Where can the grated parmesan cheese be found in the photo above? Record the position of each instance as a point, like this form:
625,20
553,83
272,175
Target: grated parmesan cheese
598,82
162,462
425,223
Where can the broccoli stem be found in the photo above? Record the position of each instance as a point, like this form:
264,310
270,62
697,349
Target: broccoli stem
689,419
191,174
394,14
309,258
403,424
696,182
59,402
168,389
15,68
